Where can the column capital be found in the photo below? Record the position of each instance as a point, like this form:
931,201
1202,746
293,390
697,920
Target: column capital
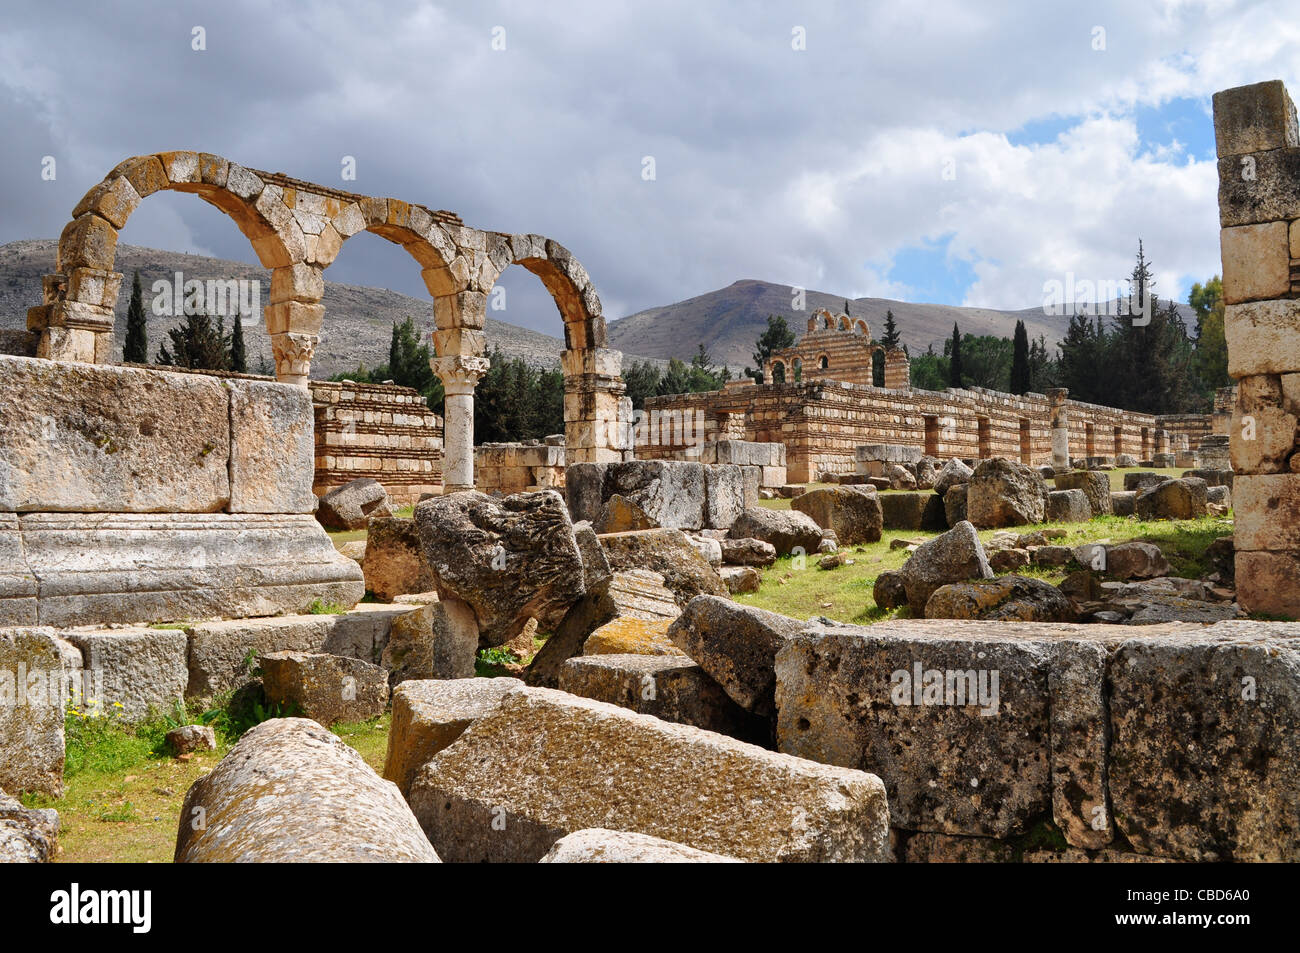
293,353
459,373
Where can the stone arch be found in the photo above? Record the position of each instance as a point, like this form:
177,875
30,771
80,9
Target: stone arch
823,361
776,365
796,367
829,320
846,323
860,327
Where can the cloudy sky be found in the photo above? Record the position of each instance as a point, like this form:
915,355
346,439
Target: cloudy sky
943,151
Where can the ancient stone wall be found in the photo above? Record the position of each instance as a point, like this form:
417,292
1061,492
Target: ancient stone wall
1258,144
380,431
839,348
520,467
822,422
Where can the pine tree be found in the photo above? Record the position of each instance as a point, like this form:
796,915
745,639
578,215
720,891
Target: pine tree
954,358
776,337
846,308
890,338
197,344
136,349
1020,372
238,353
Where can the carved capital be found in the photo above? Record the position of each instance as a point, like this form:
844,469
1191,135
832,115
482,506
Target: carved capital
293,353
458,373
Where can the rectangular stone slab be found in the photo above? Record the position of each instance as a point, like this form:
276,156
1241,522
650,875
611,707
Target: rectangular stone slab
99,438
129,567
31,712
17,584
546,764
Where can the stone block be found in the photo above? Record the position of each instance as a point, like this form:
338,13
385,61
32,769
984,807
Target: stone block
32,702
145,671
1263,337
1256,262
1254,118
325,688
600,846
272,448
1267,512
394,563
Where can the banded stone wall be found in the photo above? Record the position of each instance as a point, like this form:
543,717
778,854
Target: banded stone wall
520,467
380,431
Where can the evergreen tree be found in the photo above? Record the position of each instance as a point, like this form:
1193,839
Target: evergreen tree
642,381
238,353
846,308
954,358
136,349
1021,377
890,338
776,337
197,344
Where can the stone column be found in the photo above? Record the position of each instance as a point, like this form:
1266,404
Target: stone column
459,375
1258,142
596,414
1060,429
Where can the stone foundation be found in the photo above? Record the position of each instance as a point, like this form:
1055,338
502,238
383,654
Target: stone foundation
520,467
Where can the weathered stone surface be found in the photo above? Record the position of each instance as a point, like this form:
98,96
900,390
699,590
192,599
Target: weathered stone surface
674,689
747,552
912,511
954,503
955,556
584,485
27,836
709,548
32,700
1269,583
853,514
534,762
510,560
921,847
1205,763
1254,118
1261,337
1182,499
634,593
596,572
395,564
599,846
1008,598
1003,493
668,552
618,514
272,448
1080,733
135,567
787,530
724,495
325,688
1008,560
954,472
292,792
1123,502
222,654
105,439
190,738
736,646
351,505
1136,560
741,579
435,640
671,493
1068,506
628,635
430,715
143,670
1142,480
900,477
18,586
1267,515
1095,485
973,759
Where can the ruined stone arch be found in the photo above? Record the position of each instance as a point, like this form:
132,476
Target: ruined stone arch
860,327
829,321
778,365
823,361
846,324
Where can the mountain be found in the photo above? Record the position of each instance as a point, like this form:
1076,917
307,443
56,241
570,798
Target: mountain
358,320
728,322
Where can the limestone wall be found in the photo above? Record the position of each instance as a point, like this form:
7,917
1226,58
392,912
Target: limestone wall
380,431
518,467
1255,130
822,422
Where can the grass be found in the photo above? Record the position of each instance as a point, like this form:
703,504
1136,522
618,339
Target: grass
845,594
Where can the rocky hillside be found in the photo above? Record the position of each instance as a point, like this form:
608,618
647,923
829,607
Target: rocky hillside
729,320
358,320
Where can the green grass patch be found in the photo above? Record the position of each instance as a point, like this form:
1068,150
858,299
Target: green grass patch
319,607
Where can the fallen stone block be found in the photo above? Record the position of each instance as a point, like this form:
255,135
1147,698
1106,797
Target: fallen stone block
668,552
747,552
955,556
1123,502
292,792
788,531
351,505
600,764
1182,499
33,698
672,688
1069,506
912,511
627,635
325,688
1136,560
430,715
145,671
190,738
853,514
1008,598
736,646
1095,485
1003,493
740,579
27,835
394,562
436,640
510,560
599,846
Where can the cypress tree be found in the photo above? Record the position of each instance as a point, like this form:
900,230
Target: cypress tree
891,338
1020,374
954,358
238,353
136,349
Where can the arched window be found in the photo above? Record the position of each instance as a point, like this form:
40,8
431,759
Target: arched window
798,370
823,362
778,372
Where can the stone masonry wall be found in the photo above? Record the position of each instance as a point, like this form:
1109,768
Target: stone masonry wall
380,431
520,467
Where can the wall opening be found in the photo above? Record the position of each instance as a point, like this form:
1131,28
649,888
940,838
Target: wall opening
1026,442
985,438
932,436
